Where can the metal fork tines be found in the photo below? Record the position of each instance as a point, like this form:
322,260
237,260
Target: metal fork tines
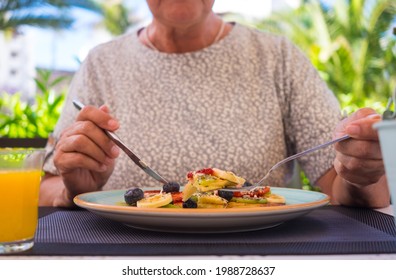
321,146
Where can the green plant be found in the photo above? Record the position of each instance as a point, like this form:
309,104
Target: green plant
20,119
116,17
41,13
350,44
350,104
306,184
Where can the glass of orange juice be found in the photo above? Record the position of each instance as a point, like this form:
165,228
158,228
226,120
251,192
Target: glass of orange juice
20,175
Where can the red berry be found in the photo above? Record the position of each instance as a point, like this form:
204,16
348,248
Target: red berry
207,171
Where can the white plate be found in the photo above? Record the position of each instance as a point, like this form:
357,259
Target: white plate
107,204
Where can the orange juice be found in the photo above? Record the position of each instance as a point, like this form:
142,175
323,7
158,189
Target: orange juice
19,191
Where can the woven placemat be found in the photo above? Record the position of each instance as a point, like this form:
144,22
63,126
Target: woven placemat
328,230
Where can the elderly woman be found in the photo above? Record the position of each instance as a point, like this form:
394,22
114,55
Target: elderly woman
191,91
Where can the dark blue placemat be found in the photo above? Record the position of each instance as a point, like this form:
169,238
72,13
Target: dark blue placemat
328,230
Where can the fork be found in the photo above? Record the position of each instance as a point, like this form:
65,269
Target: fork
321,146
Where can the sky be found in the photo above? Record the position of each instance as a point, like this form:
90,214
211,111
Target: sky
62,50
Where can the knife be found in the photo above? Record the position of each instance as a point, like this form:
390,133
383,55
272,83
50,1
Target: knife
127,150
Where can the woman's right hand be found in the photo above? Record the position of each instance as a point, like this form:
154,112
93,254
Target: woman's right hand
85,155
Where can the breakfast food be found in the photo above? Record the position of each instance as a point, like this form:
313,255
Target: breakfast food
210,179
206,188
155,201
133,195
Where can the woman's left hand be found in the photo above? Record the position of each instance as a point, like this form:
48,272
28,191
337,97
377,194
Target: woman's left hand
359,160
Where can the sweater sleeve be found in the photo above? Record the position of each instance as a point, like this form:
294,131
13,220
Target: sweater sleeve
310,111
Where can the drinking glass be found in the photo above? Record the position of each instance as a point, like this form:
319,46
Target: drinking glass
20,175
387,135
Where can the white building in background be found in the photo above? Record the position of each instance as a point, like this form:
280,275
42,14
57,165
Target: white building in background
17,65
254,9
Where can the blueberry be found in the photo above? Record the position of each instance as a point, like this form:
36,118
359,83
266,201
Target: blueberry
190,204
247,184
171,187
133,195
227,195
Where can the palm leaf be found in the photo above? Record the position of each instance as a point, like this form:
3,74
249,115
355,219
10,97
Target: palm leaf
348,43
58,22
50,13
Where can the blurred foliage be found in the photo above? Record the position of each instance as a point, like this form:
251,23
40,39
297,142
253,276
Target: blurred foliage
306,184
349,104
116,17
350,43
21,119
41,13
56,14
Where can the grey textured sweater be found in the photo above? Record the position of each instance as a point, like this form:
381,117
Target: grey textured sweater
241,104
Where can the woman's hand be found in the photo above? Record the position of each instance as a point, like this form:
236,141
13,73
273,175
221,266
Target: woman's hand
358,160
358,177
85,155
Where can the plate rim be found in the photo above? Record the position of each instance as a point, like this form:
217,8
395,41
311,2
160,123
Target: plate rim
121,209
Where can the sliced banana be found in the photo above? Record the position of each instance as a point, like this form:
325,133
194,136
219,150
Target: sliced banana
228,175
274,198
155,201
216,184
215,201
188,191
